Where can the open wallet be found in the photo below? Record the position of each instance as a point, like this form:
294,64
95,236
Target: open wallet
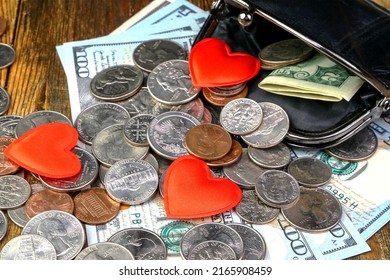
352,33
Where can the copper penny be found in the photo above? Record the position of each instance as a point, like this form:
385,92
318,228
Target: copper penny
6,166
48,200
231,157
94,206
221,101
3,25
208,141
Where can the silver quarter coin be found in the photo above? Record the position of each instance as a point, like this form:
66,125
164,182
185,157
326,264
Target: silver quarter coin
87,175
211,231
253,210
317,210
3,225
241,116
7,129
105,251
4,101
243,172
62,229
95,118
254,244
14,191
28,247
194,108
275,157
273,128
310,172
117,82
38,118
277,188
170,83
131,181
6,118
136,128
151,53
7,55
140,103
359,147
110,146
212,250
167,131
144,244
18,216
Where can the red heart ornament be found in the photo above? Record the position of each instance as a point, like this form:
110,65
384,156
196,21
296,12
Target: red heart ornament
190,191
212,64
47,150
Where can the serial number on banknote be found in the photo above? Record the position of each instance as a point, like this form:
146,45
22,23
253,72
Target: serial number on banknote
242,270
343,197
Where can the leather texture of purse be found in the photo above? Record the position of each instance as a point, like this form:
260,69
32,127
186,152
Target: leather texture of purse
353,33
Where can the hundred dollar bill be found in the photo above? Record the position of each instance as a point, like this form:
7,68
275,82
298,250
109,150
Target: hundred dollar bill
282,240
317,78
83,61
362,187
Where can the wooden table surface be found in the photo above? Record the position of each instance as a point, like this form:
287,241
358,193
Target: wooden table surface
37,81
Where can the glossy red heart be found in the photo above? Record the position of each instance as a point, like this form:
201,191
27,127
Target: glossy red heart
190,190
47,150
212,64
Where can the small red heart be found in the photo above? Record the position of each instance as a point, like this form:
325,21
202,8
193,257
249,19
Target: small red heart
190,191
47,150
212,64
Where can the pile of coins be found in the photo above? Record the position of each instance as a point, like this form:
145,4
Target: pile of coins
146,116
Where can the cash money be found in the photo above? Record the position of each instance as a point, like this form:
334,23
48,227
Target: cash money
318,78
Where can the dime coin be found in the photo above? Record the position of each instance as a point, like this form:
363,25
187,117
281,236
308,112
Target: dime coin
277,188
94,206
95,118
231,157
3,225
14,191
3,25
38,118
87,175
7,55
144,244
359,147
7,129
18,216
110,146
241,116
317,210
274,157
221,101
7,167
254,244
28,247
151,53
105,251
131,181
211,231
253,210
208,141
244,171
4,101
116,82
273,128
310,172
212,250
135,129
167,131
170,83
48,200
62,229
285,52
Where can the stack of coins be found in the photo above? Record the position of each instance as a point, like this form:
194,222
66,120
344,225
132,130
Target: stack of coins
220,96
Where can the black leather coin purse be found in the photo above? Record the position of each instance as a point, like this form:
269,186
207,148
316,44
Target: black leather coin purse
353,33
